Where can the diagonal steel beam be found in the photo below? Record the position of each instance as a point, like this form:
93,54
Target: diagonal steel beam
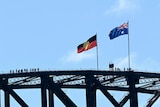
106,93
60,94
11,92
124,100
153,100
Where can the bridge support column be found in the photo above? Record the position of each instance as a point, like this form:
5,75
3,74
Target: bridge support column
7,99
51,97
6,95
43,92
132,88
90,91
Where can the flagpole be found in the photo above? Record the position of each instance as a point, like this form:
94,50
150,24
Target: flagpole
97,53
97,58
128,49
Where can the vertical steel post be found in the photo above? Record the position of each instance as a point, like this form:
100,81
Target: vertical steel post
7,99
43,92
6,95
90,91
51,97
132,79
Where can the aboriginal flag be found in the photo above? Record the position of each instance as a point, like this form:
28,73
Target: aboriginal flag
90,43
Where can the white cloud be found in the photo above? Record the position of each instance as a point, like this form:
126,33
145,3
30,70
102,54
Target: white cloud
123,6
75,57
147,65
123,62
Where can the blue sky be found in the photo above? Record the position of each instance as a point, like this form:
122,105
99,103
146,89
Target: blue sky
45,34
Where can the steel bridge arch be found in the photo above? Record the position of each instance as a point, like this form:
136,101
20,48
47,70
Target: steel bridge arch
51,83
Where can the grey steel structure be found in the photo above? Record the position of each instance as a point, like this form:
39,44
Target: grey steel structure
52,82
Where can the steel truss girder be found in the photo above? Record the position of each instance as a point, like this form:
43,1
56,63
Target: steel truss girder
91,82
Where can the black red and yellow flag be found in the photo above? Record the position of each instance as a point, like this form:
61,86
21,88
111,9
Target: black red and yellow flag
90,43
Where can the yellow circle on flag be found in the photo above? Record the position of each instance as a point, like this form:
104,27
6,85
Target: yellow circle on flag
86,45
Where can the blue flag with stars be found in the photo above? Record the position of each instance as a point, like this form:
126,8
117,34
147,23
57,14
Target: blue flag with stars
118,31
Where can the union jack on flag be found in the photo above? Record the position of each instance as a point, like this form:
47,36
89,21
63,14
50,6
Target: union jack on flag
125,25
117,31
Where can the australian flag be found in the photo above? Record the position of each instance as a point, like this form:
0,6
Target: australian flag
118,31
